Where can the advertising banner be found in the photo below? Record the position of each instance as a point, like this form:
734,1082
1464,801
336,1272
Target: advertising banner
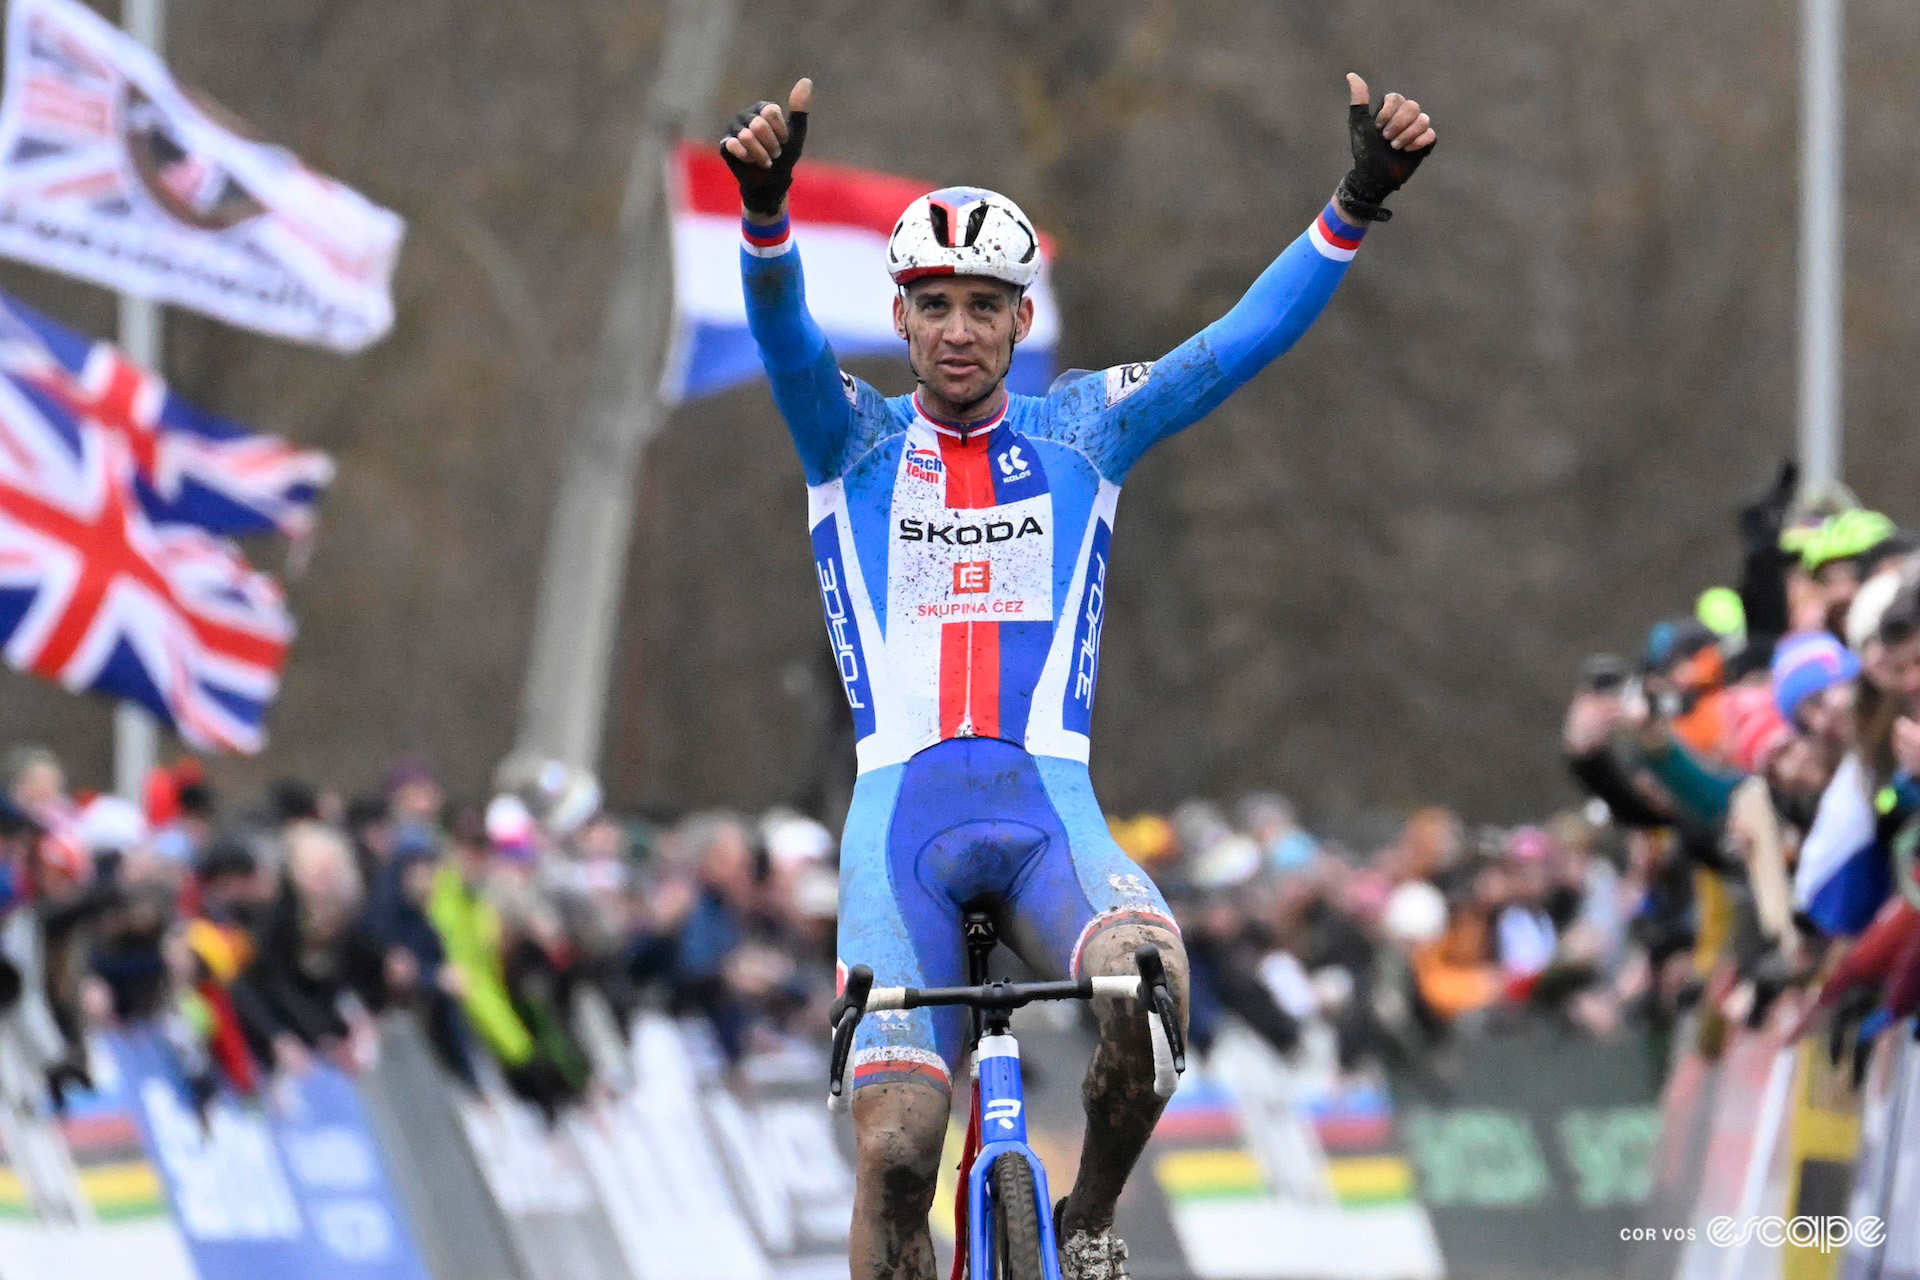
1537,1155
78,1195
293,1189
540,1180
113,172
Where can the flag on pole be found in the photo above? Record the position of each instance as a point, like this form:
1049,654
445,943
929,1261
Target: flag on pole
113,172
96,597
189,467
841,220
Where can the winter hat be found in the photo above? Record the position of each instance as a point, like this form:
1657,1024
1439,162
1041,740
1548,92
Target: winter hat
1754,728
1807,664
109,823
1416,913
510,827
1528,844
1870,605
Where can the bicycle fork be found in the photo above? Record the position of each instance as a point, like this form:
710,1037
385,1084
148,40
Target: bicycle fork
999,1099
1003,1132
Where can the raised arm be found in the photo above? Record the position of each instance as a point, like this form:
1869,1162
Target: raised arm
1147,403
762,149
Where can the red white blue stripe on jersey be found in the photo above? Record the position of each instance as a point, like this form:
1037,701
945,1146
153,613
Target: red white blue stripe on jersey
1334,236
769,240
840,220
987,467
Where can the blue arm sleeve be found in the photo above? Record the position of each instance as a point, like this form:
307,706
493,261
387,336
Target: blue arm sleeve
807,385
1190,381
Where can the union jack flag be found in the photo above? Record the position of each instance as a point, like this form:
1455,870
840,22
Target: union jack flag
96,596
190,467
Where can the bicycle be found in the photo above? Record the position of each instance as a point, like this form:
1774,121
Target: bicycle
1006,1225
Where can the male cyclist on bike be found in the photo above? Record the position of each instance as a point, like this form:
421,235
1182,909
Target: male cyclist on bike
960,536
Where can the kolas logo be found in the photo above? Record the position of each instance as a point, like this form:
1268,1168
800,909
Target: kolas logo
1013,465
924,464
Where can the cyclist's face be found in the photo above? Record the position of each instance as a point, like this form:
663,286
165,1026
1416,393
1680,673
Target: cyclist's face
960,332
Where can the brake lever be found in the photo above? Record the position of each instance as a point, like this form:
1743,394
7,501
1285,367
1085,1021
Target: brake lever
847,1011
1153,982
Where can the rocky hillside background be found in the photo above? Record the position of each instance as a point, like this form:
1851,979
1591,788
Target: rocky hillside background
1518,434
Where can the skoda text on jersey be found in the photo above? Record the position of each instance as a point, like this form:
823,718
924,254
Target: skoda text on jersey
963,570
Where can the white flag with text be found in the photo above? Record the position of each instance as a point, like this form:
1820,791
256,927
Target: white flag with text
111,171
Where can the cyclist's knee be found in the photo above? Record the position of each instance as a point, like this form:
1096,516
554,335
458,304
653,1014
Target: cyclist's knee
898,1132
1111,951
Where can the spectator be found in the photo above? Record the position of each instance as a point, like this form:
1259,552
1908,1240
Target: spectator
315,975
416,958
1524,930
716,926
469,925
414,799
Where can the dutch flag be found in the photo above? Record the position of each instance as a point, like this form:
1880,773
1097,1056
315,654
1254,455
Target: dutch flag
841,220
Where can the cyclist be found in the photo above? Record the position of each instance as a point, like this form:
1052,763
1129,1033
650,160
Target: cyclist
960,535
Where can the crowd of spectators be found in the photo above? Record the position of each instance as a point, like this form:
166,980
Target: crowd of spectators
263,938
519,933
1750,779
1764,752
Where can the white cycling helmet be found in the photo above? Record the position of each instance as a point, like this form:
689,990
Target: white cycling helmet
964,231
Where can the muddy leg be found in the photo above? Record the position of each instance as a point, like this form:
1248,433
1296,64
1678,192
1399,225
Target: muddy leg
1122,1107
898,1129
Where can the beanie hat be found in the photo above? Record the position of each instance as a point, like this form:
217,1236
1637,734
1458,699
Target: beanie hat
1870,605
1755,731
1807,664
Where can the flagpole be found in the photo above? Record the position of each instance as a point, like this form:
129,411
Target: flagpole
136,736
1822,111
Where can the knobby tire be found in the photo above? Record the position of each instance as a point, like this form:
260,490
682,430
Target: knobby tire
1016,1220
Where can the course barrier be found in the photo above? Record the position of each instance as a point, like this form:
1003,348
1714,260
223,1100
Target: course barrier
1524,1152
1775,1164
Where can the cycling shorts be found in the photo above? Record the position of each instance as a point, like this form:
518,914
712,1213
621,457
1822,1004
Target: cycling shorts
971,819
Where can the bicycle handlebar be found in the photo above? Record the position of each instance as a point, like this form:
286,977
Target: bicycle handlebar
1150,988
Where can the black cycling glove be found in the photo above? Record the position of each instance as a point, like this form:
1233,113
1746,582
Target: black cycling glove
1378,170
762,190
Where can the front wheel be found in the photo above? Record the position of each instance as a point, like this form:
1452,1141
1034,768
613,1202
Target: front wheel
1016,1220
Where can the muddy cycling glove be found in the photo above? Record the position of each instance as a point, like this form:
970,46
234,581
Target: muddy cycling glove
1378,170
762,190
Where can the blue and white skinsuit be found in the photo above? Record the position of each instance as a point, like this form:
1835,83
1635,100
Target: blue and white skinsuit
963,574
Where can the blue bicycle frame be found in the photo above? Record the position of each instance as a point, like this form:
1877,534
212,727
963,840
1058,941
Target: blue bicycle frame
1003,1131
996,1067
